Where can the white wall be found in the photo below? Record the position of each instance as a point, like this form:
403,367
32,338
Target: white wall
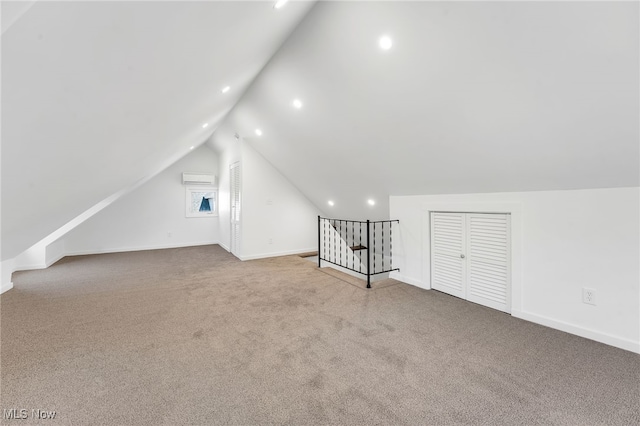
277,219
562,241
144,218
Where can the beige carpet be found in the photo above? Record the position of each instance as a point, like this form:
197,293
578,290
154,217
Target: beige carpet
194,336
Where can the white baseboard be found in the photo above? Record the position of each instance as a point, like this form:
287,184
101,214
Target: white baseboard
225,247
30,267
138,248
33,266
6,287
407,280
277,254
607,339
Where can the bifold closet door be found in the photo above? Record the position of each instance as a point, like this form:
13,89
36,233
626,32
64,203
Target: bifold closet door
470,257
488,260
448,245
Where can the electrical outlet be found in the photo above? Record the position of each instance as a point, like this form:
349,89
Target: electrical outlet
270,240
169,234
588,296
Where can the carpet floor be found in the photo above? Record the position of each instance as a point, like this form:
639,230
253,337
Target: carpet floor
194,336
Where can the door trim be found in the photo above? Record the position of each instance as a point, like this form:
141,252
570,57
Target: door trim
235,249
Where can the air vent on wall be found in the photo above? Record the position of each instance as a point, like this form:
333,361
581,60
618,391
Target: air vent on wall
198,179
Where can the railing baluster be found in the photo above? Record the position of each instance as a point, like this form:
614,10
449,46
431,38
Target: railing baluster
340,235
319,246
342,250
391,245
369,255
360,244
353,243
335,230
339,243
374,247
383,246
336,236
324,237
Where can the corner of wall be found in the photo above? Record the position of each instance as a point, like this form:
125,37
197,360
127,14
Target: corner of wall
6,270
6,287
54,252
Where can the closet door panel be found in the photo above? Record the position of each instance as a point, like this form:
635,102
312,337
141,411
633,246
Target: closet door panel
448,245
488,260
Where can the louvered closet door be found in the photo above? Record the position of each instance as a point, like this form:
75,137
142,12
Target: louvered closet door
448,245
488,260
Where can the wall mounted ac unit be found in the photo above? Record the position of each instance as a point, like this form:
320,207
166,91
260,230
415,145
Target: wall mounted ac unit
198,179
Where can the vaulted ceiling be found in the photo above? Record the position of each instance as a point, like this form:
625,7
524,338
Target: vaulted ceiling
471,97
97,95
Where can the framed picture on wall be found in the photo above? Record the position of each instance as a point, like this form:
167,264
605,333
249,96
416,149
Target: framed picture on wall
201,202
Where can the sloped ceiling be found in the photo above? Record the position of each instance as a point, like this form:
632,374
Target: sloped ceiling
97,95
11,11
472,97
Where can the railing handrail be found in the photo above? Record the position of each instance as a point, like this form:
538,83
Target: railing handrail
330,242
360,221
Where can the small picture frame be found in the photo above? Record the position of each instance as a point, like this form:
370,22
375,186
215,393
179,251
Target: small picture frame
201,202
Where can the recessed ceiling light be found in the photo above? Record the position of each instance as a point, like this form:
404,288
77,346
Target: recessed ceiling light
297,103
279,4
226,89
258,132
385,42
191,147
205,125
331,203
371,202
